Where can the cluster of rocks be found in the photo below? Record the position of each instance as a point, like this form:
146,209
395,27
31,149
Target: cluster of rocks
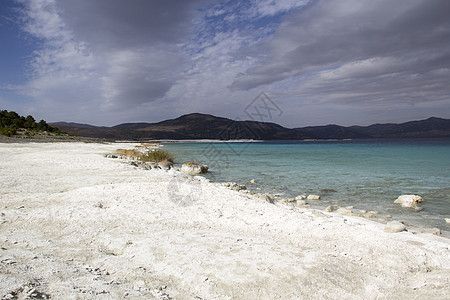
27,291
188,168
121,156
234,186
398,226
350,211
149,165
303,200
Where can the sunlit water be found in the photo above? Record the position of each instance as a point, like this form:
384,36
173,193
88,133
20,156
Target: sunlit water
368,175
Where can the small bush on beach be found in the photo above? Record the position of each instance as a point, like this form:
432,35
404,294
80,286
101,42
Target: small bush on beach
157,156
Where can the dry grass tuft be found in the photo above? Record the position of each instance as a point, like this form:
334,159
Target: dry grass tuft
128,152
157,156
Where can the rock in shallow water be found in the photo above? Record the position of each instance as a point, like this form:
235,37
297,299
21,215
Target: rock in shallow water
313,197
194,168
394,226
409,200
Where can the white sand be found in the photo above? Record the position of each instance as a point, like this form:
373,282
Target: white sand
77,225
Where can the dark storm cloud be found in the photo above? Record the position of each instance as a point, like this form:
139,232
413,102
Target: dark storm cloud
124,53
413,35
132,23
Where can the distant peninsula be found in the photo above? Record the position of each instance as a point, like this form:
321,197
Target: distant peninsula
204,126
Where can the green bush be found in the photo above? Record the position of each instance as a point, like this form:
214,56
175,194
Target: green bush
157,156
8,131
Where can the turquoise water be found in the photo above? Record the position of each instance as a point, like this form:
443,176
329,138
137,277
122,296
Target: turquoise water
368,175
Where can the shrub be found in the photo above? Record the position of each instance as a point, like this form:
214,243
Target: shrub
8,131
157,156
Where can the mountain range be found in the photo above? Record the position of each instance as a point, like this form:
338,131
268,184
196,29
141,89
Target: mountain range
204,126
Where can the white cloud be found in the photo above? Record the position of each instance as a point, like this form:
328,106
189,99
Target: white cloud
264,8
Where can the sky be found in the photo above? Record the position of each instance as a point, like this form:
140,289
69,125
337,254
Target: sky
106,62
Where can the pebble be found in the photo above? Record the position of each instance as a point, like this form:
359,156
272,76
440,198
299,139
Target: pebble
329,208
301,202
289,200
369,215
394,226
344,211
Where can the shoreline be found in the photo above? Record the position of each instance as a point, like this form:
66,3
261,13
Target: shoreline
107,228
338,194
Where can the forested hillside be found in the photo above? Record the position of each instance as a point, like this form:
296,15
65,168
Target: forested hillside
11,123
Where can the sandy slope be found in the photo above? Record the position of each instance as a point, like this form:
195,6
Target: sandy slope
77,225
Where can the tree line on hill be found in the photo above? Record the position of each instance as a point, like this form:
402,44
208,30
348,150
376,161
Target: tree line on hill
11,122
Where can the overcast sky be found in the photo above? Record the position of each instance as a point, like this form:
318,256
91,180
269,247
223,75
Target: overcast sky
105,62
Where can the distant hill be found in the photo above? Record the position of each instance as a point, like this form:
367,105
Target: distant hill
429,128
190,126
204,126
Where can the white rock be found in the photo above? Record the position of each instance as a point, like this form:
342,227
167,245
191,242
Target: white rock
447,220
194,168
253,181
165,165
300,197
313,197
266,196
394,226
344,211
330,208
369,215
301,203
409,200
202,179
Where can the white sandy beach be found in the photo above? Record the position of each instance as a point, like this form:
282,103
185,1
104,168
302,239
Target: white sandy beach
77,225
